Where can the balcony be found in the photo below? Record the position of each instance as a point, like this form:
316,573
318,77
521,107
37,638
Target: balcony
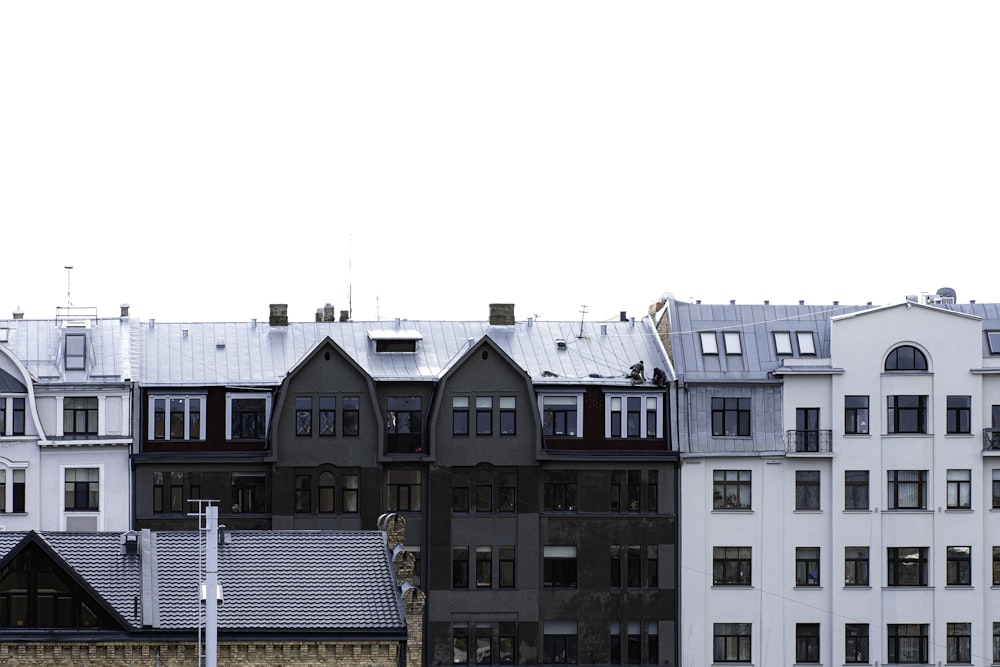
991,440
809,442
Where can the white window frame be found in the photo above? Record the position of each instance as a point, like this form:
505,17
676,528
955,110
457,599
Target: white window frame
187,411
567,395
609,399
8,468
101,502
231,396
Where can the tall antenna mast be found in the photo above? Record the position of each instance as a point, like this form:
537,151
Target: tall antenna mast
350,283
583,313
69,304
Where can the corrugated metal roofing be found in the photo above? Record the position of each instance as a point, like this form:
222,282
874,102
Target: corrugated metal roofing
38,344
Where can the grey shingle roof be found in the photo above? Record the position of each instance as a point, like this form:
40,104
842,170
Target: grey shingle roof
246,353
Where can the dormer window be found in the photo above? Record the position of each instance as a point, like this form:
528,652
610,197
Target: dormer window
807,346
782,342
709,345
732,340
76,349
395,340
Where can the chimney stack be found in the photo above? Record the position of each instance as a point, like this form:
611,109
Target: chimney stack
124,310
345,315
18,314
501,313
279,315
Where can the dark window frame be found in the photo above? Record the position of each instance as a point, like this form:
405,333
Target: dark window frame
807,567
857,418
959,415
732,565
857,566
857,490
906,414
731,642
856,643
907,643
906,358
807,490
959,566
731,417
729,487
906,566
807,642
959,488
897,486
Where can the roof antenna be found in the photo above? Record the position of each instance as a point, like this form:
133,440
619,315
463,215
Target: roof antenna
350,284
69,304
583,313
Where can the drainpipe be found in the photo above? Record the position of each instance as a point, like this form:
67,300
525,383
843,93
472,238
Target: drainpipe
211,581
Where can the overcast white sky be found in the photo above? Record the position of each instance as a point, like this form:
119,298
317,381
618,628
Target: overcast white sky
200,160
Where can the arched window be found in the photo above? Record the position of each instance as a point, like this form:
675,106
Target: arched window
906,358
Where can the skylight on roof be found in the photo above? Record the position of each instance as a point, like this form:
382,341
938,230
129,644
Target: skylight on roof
395,340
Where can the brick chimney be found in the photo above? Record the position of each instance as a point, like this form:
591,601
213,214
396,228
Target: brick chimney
279,315
502,313
18,314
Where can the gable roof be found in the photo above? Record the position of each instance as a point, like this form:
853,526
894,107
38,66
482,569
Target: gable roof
333,582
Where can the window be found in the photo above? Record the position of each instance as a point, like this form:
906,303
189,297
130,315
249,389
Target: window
807,489
959,489
177,418
17,416
633,566
807,642
80,416
303,415
417,566
959,643
349,489
959,414
460,492
807,345
615,643
352,415
652,566
959,566
709,343
907,566
906,358
731,642
560,416
633,638
484,490
507,492
732,341
168,492
17,493
303,494
653,643
248,415
633,490
484,567
560,495
807,429
327,416
83,489
508,415
856,415
652,491
616,566
731,566
327,492
731,489
559,642
460,643
404,429
484,643
907,414
507,642
460,415
993,338
907,489
855,489
907,643
782,342
484,415
856,642
731,417
807,566
996,566
559,567
403,490
996,488
507,567
632,416
248,489
76,352
855,566
996,642
460,567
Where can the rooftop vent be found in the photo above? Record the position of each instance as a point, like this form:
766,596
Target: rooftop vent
561,343
124,307
130,543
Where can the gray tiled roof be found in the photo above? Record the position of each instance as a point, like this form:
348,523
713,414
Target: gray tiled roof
245,353
97,560
337,580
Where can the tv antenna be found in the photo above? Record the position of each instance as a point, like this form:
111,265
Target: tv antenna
583,313
69,304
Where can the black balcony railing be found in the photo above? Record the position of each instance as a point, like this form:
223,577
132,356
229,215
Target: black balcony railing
810,441
991,439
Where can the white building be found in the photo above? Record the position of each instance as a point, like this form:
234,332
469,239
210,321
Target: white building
65,415
839,490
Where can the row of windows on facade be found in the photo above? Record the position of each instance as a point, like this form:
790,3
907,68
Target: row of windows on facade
733,345
905,566
183,418
488,643
905,489
904,414
906,643
81,488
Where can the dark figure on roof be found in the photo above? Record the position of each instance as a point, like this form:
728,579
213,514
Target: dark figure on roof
637,373
659,377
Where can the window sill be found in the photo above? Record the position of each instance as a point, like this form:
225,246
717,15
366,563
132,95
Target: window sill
809,588
730,587
958,587
808,511
958,510
740,510
857,511
863,587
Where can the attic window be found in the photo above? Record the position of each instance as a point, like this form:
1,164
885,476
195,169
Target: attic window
709,344
782,342
807,346
395,340
732,340
76,348
993,337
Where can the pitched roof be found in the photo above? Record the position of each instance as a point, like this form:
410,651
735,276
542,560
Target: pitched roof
38,344
193,354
